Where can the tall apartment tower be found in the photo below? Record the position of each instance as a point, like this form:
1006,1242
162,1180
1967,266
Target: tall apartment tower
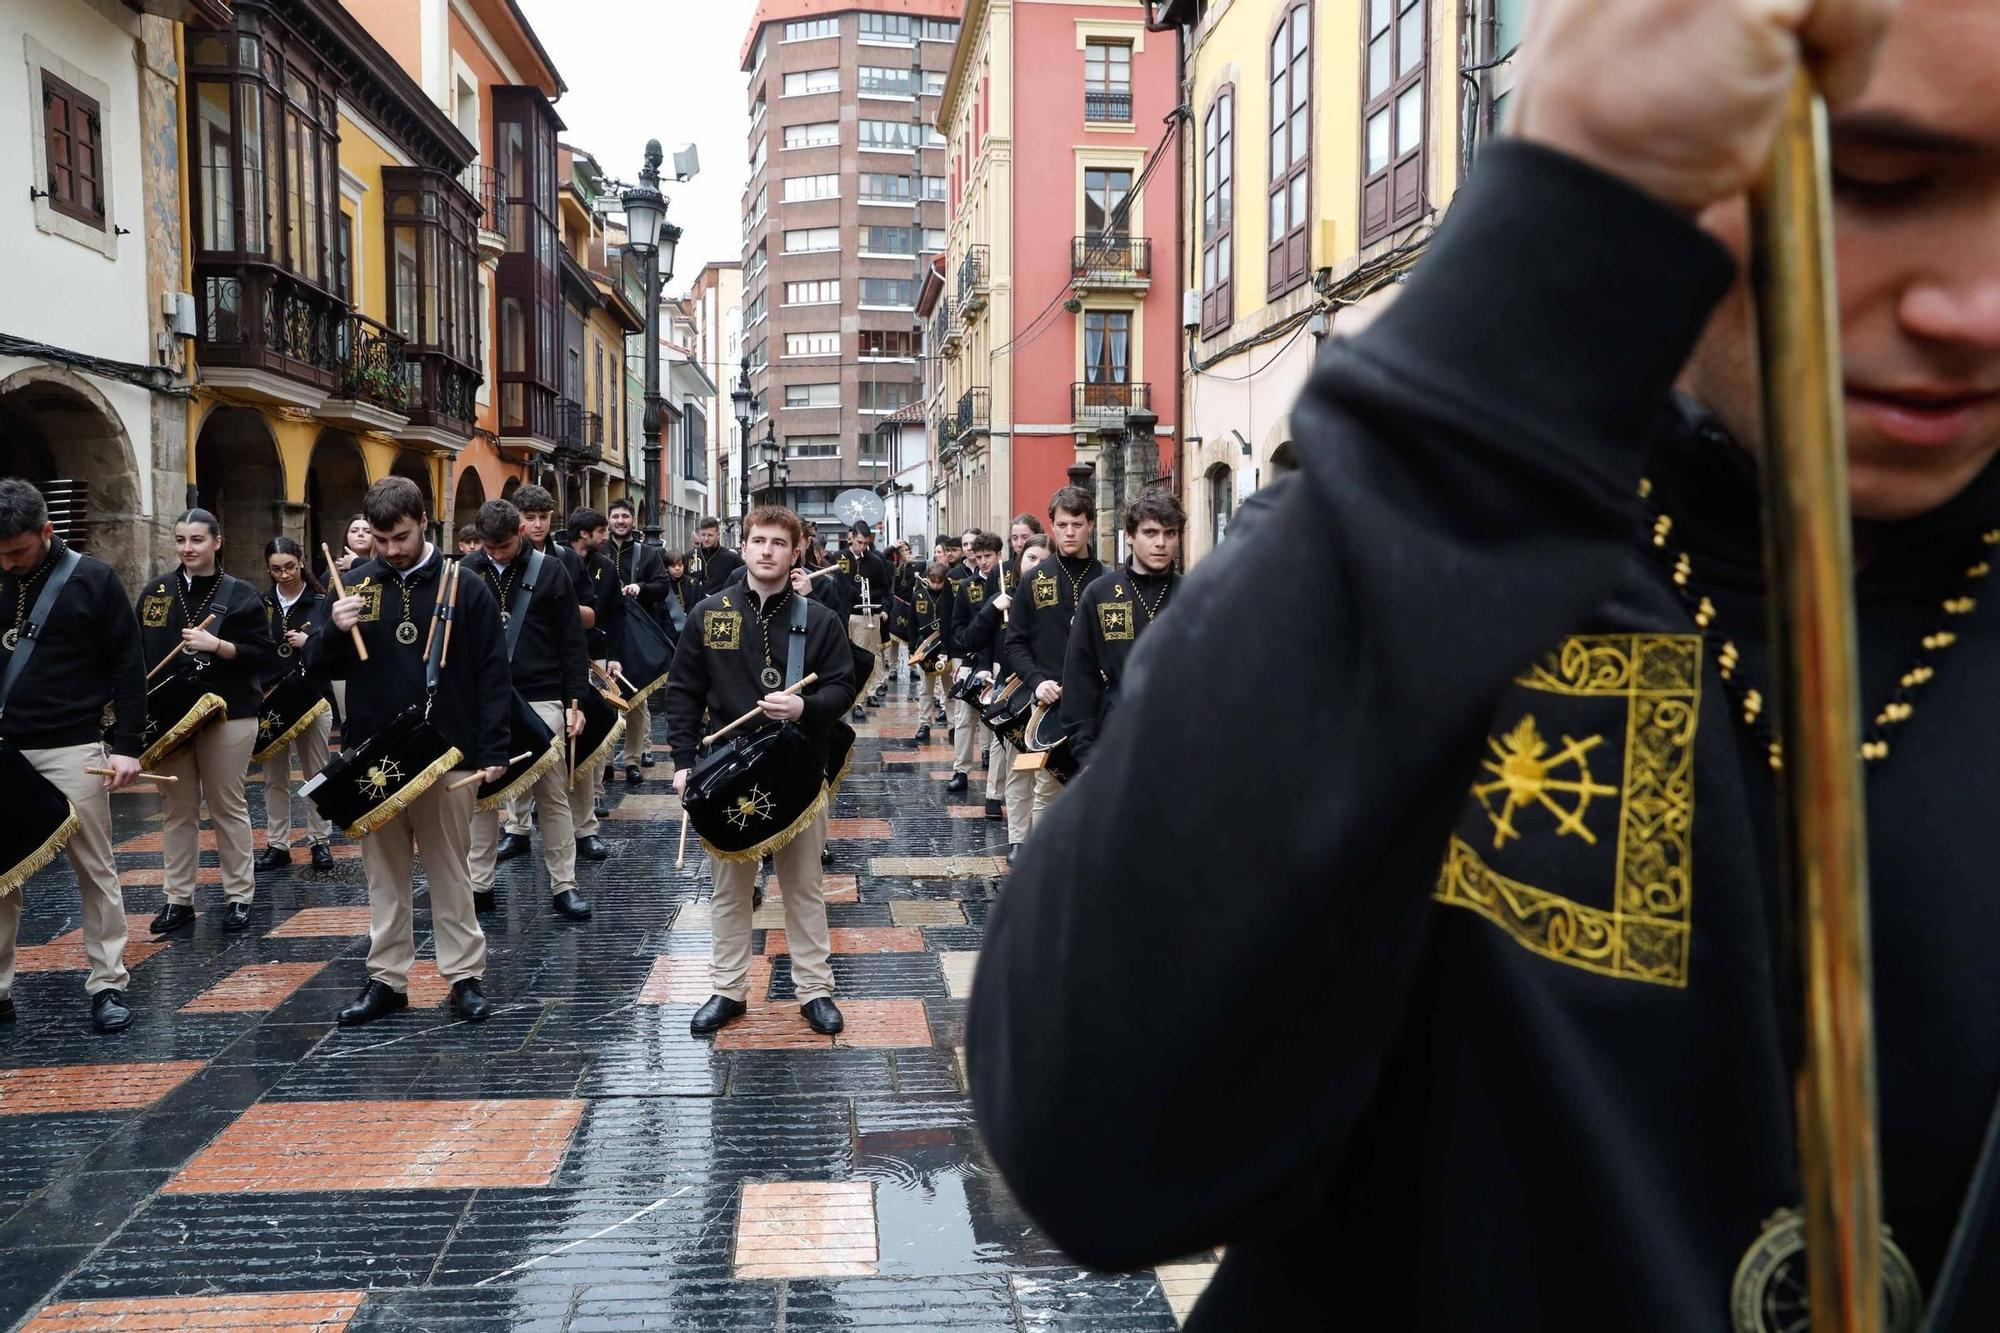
845,209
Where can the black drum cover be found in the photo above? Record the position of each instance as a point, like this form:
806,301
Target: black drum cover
178,705
839,754
527,734
971,688
755,794
367,785
649,651
1009,710
866,665
40,820
293,704
603,728
902,620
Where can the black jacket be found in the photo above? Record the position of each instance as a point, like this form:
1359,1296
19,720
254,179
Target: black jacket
644,563
870,569
1484,1063
710,570
1114,612
471,707
931,610
606,639
719,660
969,597
237,681
88,658
1037,637
303,615
550,662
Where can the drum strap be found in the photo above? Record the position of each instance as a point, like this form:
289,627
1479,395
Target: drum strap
795,646
38,617
517,614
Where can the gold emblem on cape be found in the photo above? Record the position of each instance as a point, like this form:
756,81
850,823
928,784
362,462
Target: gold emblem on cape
267,725
382,778
1770,1293
1114,619
1526,774
752,805
371,599
1047,594
975,591
153,610
722,630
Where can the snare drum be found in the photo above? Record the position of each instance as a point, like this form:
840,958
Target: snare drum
178,705
529,735
1008,710
603,728
293,705
40,820
1047,736
753,794
367,785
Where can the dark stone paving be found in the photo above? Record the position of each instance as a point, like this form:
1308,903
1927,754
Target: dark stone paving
636,1226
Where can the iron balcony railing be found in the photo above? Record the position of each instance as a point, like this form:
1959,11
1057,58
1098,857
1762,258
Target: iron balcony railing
371,362
973,279
488,185
975,411
1115,260
1107,105
1101,401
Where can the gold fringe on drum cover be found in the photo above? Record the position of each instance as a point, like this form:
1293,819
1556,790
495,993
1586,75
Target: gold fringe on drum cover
292,733
411,790
529,777
51,848
604,750
204,708
776,840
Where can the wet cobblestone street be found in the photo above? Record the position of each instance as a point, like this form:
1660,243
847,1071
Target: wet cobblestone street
577,1162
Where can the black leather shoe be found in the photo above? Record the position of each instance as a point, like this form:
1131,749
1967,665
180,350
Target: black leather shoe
1013,852
720,1009
592,848
917,675
756,896
824,1015
923,733
993,809
483,900
108,1012
172,917
468,1003
942,720
322,856
510,846
273,858
6,1008
633,777
825,857
857,715
570,903
375,1001
957,783
645,761
601,810
236,917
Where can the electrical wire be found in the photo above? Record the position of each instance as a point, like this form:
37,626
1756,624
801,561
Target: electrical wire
157,379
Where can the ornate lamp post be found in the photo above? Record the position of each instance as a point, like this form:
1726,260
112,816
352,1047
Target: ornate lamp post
653,239
743,401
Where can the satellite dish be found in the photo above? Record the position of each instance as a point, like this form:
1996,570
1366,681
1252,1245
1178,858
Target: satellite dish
858,505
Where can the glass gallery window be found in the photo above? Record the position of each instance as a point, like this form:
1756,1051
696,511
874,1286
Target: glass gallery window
433,268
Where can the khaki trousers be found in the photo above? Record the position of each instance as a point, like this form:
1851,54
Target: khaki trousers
999,756
550,796
210,768
439,822
866,633
311,746
931,690
1028,794
638,734
89,851
966,727
797,865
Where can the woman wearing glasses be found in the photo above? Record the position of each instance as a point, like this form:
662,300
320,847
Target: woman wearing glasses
292,707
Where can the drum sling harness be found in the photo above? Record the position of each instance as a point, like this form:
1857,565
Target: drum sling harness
517,614
37,618
795,644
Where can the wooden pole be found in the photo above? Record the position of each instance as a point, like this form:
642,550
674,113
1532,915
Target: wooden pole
758,711
339,591
471,779
206,621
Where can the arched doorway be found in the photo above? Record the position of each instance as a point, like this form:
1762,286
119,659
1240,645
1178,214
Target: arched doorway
59,433
336,479
471,494
508,488
417,468
239,477
1221,501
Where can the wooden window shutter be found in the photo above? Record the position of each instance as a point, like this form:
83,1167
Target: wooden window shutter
83,142
56,133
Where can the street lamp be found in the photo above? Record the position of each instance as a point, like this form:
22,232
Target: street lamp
645,223
743,401
774,460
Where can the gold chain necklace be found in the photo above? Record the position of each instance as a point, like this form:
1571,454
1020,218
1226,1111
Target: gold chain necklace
503,588
1153,611
188,618
23,596
771,677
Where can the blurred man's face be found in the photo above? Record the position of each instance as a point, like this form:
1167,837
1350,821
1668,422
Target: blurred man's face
706,538
502,552
621,522
593,539
20,553
1917,237
1071,532
400,547
535,525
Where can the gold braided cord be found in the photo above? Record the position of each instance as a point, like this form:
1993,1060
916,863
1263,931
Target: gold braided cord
776,840
603,751
636,695
297,729
410,791
209,705
529,777
51,847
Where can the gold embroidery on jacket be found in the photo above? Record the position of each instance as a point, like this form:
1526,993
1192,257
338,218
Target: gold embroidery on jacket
1648,686
153,611
1047,594
1115,619
722,630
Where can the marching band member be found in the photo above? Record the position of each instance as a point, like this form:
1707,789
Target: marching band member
864,587
930,606
210,766
710,563
642,578
392,599
976,626
86,657
731,659
969,596
291,607
1114,612
989,629
605,642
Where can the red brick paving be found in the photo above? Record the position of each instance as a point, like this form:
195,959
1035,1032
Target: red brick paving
285,1146
285,1312
857,939
55,1089
684,979
921,754
317,921
871,1024
156,876
156,841
253,989
837,888
798,1229
64,953
426,986
857,828
966,811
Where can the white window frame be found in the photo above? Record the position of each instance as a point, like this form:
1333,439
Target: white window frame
808,392
818,30
816,445
833,299
803,127
814,344
813,188
810,234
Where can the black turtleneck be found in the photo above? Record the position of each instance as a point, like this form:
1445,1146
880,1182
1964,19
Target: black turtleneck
1037,638
1114,612
88,656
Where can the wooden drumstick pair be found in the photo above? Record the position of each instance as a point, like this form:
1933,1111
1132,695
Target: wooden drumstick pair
340,591
140,776
206,621
469,779
680,856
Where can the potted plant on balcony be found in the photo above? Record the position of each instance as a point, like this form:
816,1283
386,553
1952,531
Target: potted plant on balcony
378,385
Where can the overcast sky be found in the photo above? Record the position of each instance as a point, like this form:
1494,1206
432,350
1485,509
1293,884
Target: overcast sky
666,71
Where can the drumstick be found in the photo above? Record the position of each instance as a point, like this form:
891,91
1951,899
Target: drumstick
572,742
340,591
436,611
462,783
450,613
758,711
681,856
825,569
605,676
149,777
206,621
627,683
